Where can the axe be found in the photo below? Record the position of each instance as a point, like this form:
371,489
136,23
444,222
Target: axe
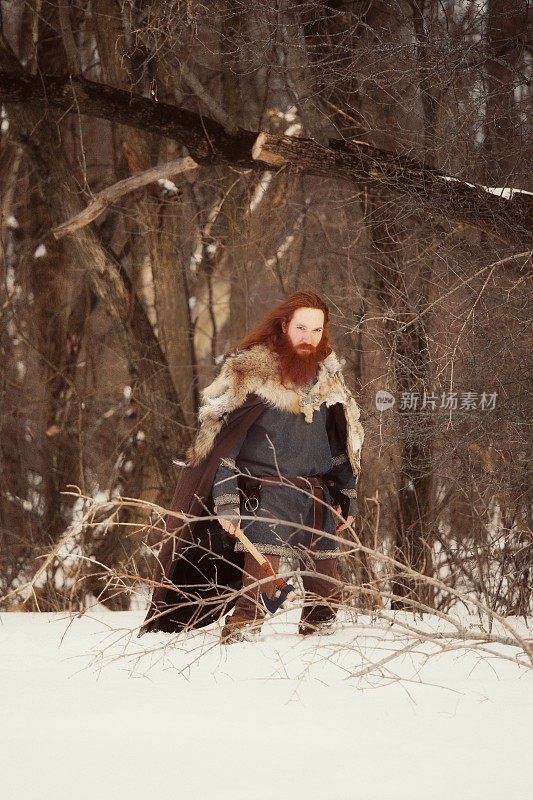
284,590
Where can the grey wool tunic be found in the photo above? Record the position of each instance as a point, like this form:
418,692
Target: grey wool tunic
281,443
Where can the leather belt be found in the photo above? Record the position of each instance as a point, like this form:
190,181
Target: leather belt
312,483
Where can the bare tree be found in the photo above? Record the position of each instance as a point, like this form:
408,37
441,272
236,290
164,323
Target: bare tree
375,151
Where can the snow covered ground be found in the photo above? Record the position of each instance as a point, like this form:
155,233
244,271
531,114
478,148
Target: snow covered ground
90,711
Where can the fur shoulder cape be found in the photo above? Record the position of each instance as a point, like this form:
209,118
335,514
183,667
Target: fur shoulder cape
256,371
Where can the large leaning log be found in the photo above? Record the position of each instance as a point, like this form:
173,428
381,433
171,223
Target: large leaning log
510,219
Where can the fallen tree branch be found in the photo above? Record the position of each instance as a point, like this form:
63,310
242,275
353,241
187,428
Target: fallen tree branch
510,219
480,634
117,190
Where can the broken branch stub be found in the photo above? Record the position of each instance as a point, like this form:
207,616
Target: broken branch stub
117,190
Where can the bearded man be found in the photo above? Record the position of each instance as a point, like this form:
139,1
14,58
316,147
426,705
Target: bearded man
279,444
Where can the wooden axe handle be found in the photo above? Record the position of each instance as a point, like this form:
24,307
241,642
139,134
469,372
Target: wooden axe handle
263,562
252,549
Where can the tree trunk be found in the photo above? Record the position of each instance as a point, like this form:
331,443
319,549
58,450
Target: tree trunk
506,26
413,539
155,392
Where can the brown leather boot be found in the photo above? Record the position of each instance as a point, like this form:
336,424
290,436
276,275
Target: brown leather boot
317,619
237,629
323,595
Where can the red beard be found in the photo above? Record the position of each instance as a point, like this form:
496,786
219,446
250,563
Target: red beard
299,365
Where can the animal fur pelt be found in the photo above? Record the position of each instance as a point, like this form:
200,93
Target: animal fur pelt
256,371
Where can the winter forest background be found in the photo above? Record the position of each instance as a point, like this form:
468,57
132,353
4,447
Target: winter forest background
392,134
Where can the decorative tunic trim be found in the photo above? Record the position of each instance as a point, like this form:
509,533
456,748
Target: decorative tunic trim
227,499
342,458
285,550
350,493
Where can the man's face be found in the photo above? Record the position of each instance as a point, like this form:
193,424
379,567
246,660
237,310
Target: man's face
305,329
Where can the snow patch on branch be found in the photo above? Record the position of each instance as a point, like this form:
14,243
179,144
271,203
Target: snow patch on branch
507,192
40,252
169,186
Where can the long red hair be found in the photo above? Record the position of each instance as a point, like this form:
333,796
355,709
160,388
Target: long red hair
269,332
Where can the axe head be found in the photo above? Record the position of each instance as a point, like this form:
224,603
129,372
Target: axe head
272,604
